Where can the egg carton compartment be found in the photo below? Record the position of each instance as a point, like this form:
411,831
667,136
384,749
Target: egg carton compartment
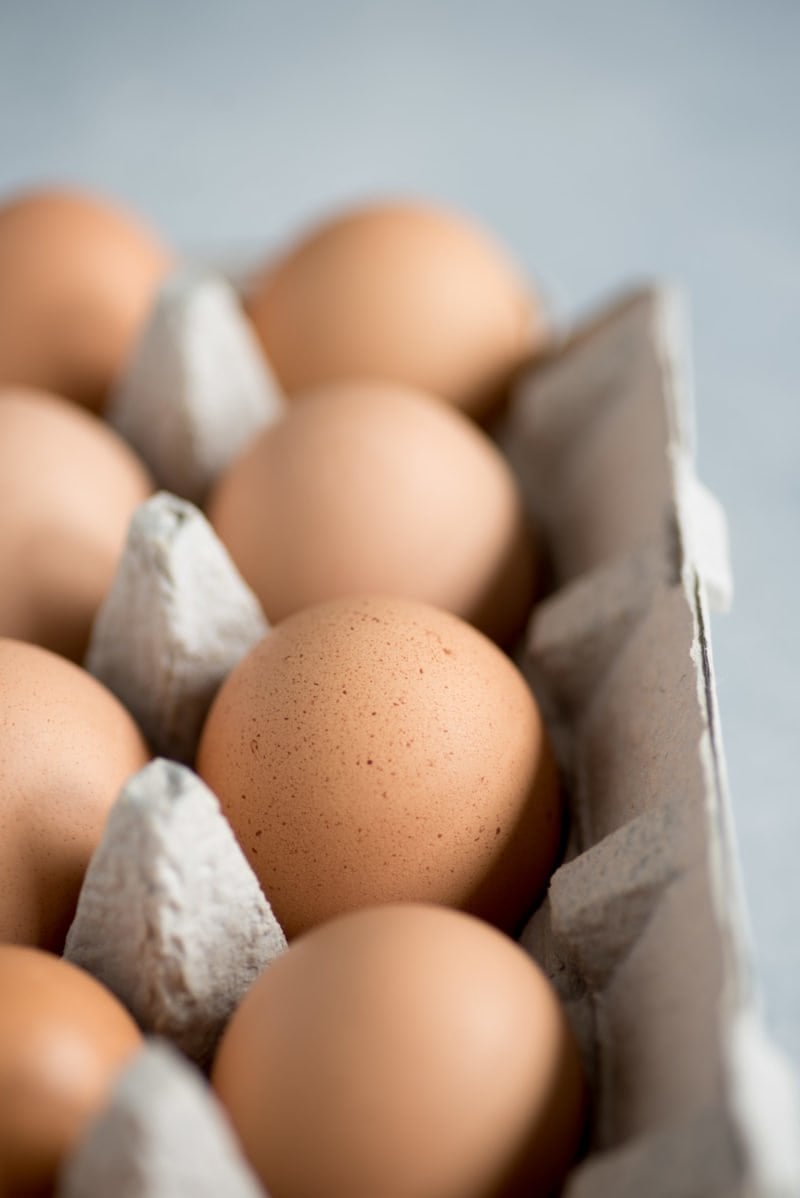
198,386
161,1135
176,620
642,928
170,916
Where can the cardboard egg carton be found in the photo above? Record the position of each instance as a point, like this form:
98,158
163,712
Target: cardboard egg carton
642,931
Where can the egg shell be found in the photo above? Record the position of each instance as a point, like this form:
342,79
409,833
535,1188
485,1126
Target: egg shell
68,488
77,278
63,1039
397,290
66,747
378,487
376,749
404,1050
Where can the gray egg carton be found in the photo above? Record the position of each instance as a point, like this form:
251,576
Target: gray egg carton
642,931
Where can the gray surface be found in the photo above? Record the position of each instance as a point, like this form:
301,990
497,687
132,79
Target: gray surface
604,142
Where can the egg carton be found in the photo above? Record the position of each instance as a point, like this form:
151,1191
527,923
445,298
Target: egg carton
642,931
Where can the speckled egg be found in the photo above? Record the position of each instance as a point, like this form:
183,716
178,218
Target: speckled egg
377,749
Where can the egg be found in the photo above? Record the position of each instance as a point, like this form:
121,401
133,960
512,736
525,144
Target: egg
63,1040
66,747
403,1051
366,486
77,278
376,749
404,291
68,488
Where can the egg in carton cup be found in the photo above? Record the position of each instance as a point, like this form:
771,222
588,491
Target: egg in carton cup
641,931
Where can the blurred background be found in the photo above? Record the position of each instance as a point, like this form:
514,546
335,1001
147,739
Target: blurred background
605,143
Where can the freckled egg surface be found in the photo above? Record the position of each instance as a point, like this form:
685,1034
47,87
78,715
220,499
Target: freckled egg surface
402,291
374,487
68,488
63,1040
405,1051
66,747
77,278
377,749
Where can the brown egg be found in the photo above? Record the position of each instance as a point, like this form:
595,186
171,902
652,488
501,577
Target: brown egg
374,750
66,747
378,487
63,1040
68,488
403,1051
401,291
77,277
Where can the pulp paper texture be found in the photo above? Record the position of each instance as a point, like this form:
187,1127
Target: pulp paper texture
161,1136
170,916
642,930
176,620
198,387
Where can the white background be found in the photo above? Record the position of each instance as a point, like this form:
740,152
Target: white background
605,142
